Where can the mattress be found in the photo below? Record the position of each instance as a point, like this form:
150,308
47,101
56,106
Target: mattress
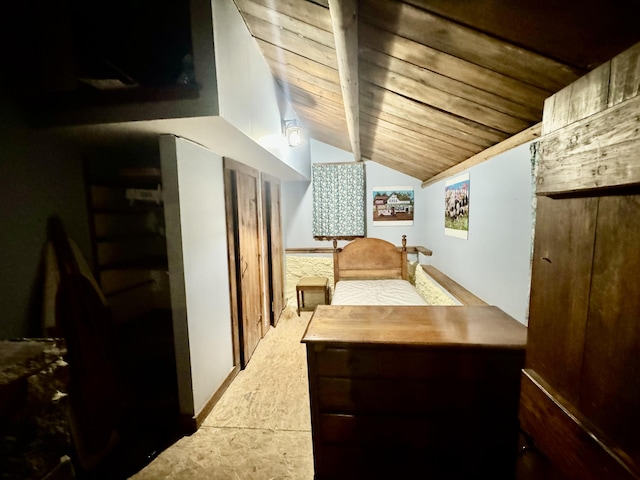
376,292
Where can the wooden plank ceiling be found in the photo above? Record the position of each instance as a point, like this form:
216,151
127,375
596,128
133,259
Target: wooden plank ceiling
429,84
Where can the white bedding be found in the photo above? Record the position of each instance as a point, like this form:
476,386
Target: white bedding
376,292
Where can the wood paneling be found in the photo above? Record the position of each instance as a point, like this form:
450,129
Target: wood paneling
625,76
551,28
245,254
559,429
274,245
446,94
597,152
565,236
610,390
433,72
581,391
584,97
468,44
433,60
524,136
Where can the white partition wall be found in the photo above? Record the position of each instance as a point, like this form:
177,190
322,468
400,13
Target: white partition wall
494,262
193,184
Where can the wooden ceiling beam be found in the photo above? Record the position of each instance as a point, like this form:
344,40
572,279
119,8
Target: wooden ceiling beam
344,19
518,139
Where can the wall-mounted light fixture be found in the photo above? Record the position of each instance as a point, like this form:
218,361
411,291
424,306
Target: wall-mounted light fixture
292,131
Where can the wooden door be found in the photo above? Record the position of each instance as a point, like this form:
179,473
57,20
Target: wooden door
245,254
274,244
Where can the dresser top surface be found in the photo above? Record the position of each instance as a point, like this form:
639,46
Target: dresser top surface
436,326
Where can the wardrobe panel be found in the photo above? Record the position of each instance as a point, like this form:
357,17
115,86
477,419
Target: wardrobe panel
560,290
610,390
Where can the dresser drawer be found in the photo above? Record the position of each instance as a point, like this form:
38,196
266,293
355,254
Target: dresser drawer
461,430
344,395
406,363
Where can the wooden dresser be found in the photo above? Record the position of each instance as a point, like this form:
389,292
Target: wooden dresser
430,392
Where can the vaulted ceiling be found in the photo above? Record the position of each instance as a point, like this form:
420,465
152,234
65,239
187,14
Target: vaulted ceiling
427,86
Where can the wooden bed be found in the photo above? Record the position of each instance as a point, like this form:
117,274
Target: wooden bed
413,391
372,271
370,258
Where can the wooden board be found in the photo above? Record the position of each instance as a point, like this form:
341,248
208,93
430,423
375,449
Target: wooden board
625,76
454,288
460,326
583,98
556,426
597,152
561,271
274,261
610,391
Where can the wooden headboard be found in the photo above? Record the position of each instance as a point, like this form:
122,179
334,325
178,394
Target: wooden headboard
370,258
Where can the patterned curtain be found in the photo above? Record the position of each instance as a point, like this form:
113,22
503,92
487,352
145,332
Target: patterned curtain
338,200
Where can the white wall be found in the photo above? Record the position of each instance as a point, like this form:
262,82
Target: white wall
297,203
494,263
193,182
249,97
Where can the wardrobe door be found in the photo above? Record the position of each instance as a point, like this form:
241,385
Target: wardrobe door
246,255
274,245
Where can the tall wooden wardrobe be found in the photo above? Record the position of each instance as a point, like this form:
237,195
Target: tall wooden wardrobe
580,397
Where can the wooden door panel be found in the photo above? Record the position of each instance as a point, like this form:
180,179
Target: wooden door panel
610,390
250,258
560,290
273,245
230,195
277,254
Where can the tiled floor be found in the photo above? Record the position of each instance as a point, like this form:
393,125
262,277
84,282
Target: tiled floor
261,428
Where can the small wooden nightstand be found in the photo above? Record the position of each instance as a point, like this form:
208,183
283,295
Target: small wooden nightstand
309,284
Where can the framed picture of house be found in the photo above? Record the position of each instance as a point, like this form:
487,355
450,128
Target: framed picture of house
393,206
456,206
